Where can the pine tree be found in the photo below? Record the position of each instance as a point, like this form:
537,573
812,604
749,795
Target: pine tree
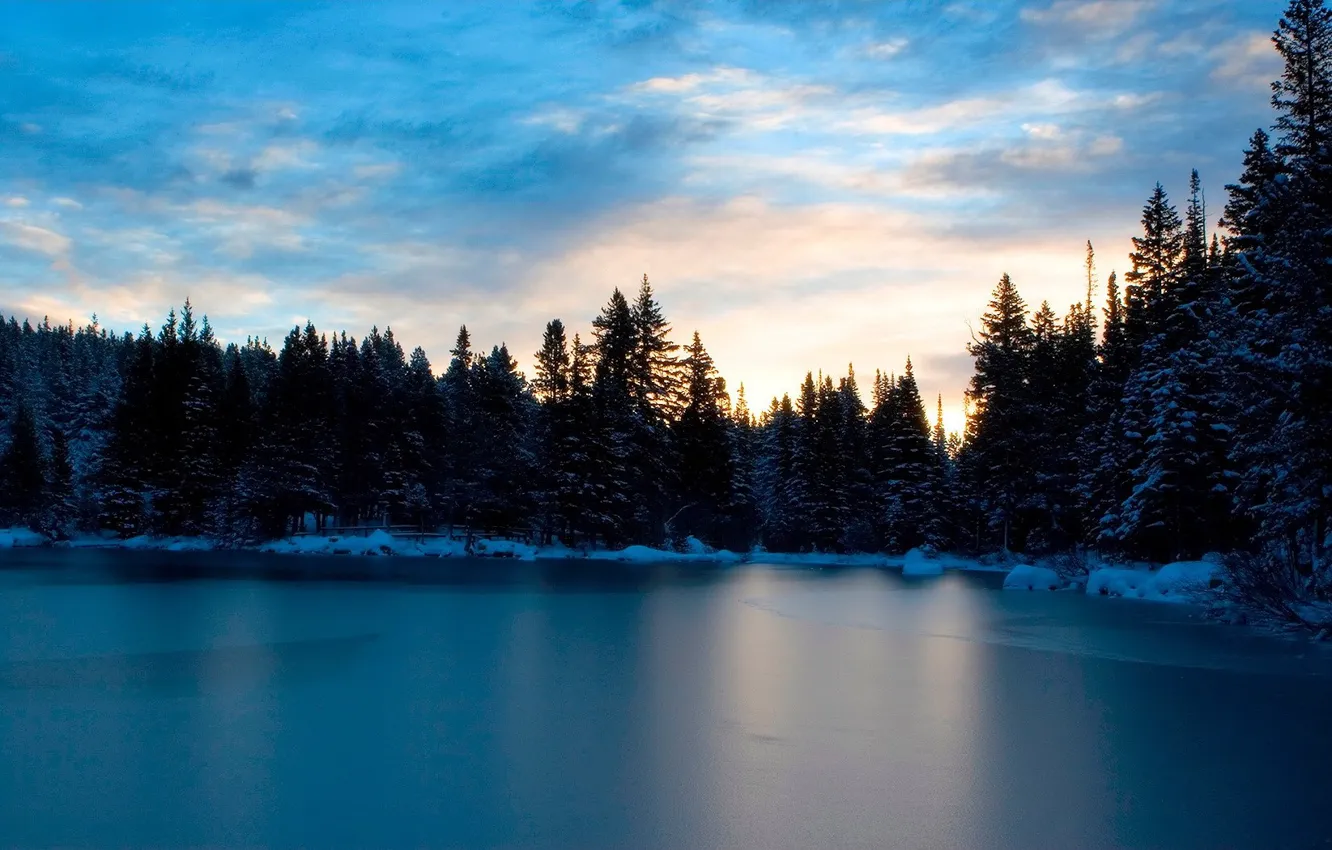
1157,264
908,466
1178,500
1302,97
859,491
1281,361
655,388
743,514
59,510
1261,167
779,490
127,465
23,472
461,475
291,465
505,410
706,469
615,346
996,453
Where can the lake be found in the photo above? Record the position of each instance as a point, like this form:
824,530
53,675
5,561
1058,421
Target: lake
591,705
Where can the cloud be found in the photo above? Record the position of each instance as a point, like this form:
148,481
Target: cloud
1043,162
1250,60
1100,18
1044,98
886,49
748,100
276,157
563,119
16,201
691,82
861,171
240,230
34,238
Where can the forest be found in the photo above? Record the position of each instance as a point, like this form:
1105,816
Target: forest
1187,411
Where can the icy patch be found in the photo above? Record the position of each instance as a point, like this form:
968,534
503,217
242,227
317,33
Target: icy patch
1028,577
1177,582
15,538
917,563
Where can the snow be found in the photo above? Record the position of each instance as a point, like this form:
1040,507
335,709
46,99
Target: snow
14,538
1177,582
168,544
647,555
917,563
1028,577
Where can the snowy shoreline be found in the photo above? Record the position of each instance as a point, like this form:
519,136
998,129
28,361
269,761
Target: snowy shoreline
1180,582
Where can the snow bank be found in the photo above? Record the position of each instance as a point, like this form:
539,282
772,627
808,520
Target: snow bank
504,549
1177,582
917,563
14,538
377,542
167,544
1028,577
647,555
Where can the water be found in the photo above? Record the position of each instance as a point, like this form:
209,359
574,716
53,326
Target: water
588,706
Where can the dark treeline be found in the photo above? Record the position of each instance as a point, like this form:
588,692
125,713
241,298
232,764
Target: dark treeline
1188,411
629,438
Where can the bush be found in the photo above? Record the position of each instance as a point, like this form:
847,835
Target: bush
1269,587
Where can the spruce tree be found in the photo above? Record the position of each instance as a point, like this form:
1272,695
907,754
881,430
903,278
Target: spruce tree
23,472
908,466
706,469
996,453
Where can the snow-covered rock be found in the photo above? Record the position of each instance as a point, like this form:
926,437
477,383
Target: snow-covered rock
14,538
1181,580
1028,577
1177,582
504,549
917,563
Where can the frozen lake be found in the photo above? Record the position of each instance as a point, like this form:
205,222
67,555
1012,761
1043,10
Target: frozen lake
605,705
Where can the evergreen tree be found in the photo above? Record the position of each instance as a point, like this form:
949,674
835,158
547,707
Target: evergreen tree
706,467
505,411
1281,361
780,498
126,467
908,466
996,453
859,533
462,469
59,509
23,472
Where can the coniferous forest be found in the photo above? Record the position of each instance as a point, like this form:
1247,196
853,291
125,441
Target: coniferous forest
1187,410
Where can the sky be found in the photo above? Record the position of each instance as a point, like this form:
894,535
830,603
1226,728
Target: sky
807,184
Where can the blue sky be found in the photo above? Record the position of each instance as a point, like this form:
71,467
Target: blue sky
807,183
